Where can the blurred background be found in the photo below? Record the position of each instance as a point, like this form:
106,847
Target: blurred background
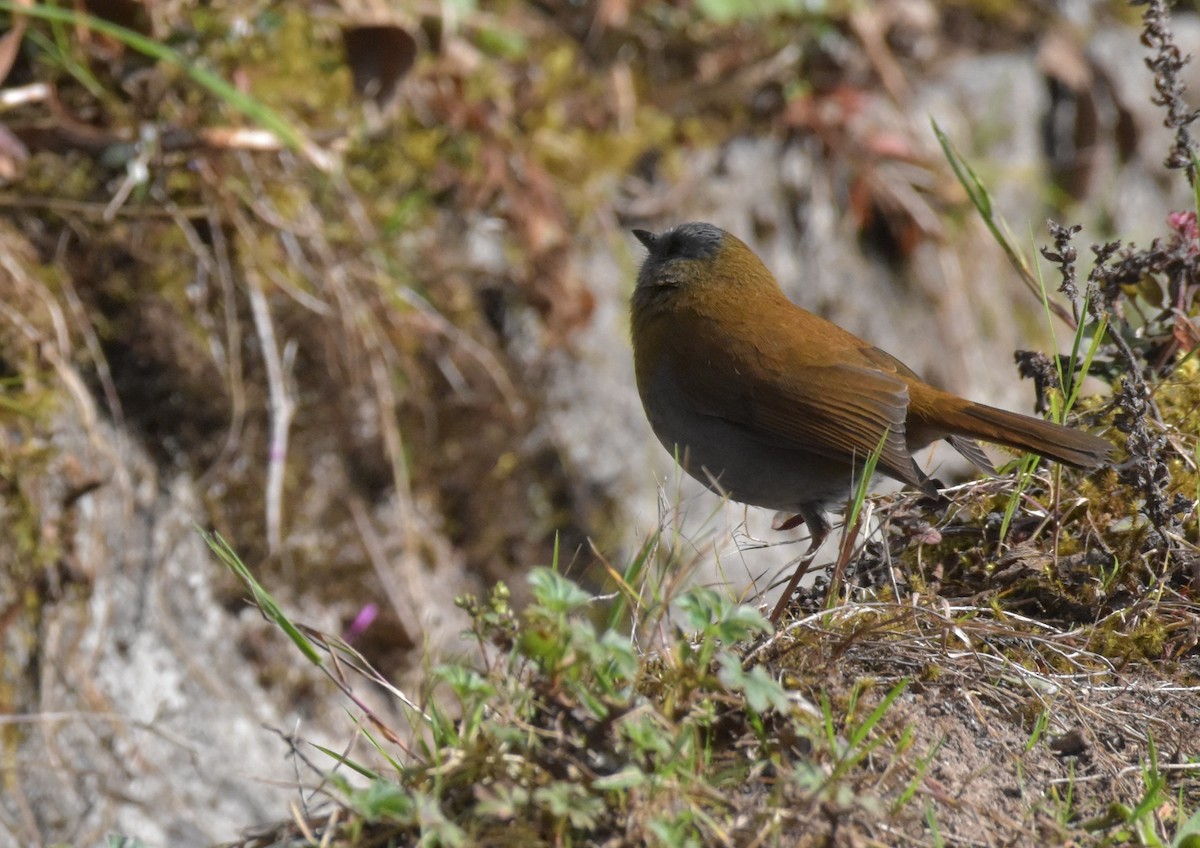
348,282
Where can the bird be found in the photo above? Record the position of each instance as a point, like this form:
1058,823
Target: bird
777,407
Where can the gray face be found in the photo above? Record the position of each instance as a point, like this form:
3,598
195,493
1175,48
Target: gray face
684,243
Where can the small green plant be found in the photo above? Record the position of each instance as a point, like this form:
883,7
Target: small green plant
730,11
1071,371
568,728
858,743
935,831
1039,730
981,199
1025,472
1187,835
854,514
919,772
1064,802
1142,823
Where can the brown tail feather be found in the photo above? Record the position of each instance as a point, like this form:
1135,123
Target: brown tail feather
1053,441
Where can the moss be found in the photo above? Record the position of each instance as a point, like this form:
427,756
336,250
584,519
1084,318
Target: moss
30,494
1130,638
24,458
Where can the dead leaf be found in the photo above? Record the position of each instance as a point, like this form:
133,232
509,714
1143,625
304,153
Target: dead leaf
1186,334
13,155
10,42
379,56
131,14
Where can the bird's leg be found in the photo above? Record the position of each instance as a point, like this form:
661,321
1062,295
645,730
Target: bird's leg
789,523
819,526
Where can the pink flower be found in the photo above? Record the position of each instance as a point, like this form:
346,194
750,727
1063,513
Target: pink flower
1185,224
366,616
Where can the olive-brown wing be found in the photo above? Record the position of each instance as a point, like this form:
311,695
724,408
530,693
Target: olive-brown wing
835,410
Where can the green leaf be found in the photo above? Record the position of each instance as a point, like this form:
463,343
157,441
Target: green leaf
555,592
618,654
1188,835
762,691
571,802
384,801
467,683
699,607
262,598
739,623
715,615
629,777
